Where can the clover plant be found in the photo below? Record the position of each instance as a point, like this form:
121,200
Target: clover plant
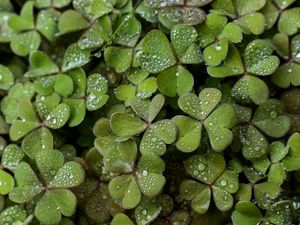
149,112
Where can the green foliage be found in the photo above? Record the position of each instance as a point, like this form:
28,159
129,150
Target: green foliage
161,112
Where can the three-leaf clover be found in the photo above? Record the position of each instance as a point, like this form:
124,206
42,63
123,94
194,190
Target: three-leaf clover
51,187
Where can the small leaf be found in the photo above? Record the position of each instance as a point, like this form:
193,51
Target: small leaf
156,53
214,54
265,193
118,58
24,43
222,199
63,85
70,21
170,16
46,23
277,151
126,125
40,64
218,126
250,89
232,32
49,161
286,75
65,201
121,218
205,169
259,59
147,109
6,182
125,92
11,156
46,210
189,133
284,25
200,107
252,23
77,107
20,128
12,214
231,66
151,184
246,213
256,145
270,119
175,81
75,57
69,175
146,212
6,78
58,117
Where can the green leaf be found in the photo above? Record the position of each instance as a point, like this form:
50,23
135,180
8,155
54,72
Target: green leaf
163,131
46,23
79,81
77,107
231,66
24,43
6,78
200,107
199,195
75,57
214,54
295,49
282,44
125,92
20,128
118,58
277,151
183,38
45,104
246,213
7,182
151,184
256,145
189,133
170,16
12,214
11,156
277,173
70,21
244,7
49,161
65,201
58,117
228,182
100,8
206,169
125,189
147,109
146,88
270,119
280,213
232,32
294,145
265,193
175,81
128,30
284,25
146,212
250,89
252,23
156,53
40,64
271,14
26,19
28,185
63,85
222,199
69,175
286,75
259,59
46,210
125,125
218,126
121,218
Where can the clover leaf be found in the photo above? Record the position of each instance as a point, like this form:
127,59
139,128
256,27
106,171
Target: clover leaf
201,109
216,181
56,176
